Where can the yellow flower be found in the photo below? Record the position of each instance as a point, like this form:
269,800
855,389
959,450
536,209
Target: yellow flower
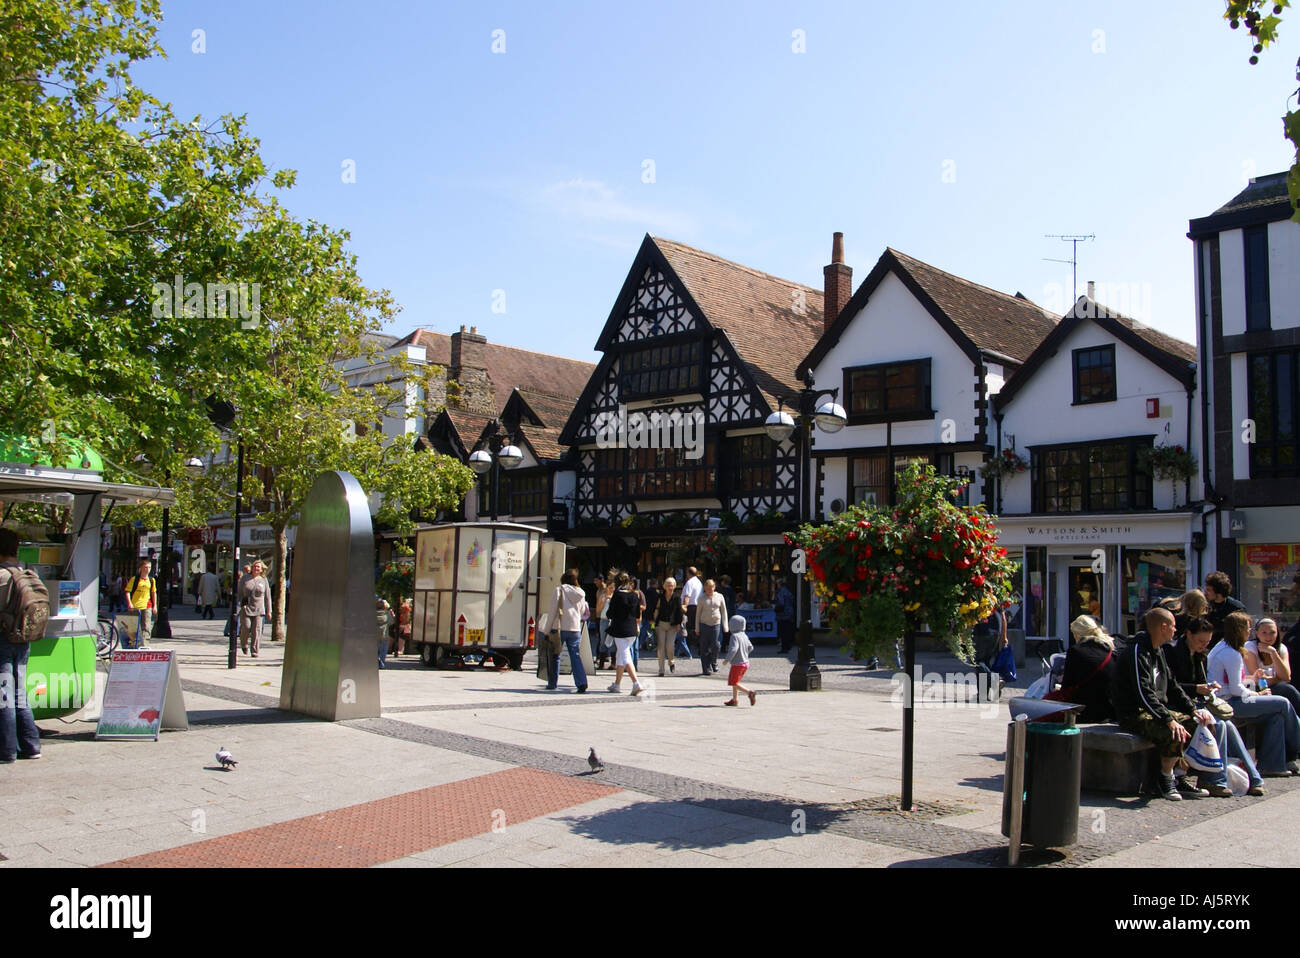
898,552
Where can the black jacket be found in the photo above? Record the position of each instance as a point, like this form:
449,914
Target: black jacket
1142,683
1085,685
668,609
1220,611
1188,667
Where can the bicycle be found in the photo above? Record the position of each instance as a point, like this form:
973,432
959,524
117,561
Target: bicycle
109,638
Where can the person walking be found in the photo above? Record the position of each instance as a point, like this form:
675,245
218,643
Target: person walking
624,614
568,609
19,737
600,621
738,660
666,618
402,634
383,623
711,620
783,602
209,592
254,603
691,592
142,599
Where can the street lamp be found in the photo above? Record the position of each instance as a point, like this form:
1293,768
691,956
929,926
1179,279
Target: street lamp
780,426
162,627
222,413
504,454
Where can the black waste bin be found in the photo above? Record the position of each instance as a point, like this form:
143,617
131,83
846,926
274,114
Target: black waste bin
1053,775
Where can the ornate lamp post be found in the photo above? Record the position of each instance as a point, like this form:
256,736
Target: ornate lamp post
830,416
503,454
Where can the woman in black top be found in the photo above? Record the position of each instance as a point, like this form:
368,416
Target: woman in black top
1089,667
666,617
624,625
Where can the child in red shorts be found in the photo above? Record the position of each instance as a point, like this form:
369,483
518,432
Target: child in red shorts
738,658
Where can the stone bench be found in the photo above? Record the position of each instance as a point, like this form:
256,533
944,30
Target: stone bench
1119,761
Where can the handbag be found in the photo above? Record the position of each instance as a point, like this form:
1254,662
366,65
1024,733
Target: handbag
1218,708
1005,664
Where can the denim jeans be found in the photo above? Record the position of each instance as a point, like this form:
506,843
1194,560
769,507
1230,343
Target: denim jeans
383,652
18,733
1237,749
709,647
571,642
1279,734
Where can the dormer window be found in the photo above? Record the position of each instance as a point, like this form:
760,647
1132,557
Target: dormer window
1094,375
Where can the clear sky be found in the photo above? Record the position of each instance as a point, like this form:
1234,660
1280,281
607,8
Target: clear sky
960,133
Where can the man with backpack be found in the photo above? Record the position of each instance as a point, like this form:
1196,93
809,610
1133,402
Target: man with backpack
21,621
142,599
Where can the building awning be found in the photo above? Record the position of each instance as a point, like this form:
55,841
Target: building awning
58,486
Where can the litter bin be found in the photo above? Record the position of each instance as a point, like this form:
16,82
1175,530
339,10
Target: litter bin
1053,775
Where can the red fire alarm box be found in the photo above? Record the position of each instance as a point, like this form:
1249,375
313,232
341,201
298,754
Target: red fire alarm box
1153,408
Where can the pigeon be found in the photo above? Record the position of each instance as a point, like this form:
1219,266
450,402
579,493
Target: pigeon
226,759
594,761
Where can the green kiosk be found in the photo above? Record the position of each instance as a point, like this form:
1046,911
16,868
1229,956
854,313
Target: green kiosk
61,667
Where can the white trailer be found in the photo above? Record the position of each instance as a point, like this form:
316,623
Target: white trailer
480,589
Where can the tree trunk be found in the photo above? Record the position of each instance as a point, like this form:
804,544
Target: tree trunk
280,560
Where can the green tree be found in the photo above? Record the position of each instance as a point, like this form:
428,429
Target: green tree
1262,18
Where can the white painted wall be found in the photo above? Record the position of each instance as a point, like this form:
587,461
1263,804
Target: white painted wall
1240,411
1232,272
1043,413
1284,274
893,326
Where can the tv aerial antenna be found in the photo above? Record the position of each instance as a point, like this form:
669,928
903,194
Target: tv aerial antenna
1074,239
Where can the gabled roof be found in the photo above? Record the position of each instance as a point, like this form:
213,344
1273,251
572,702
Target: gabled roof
510,367
541,418
756,310
978,319
1264,200
1174,356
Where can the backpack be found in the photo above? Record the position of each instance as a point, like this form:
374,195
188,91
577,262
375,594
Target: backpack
28,609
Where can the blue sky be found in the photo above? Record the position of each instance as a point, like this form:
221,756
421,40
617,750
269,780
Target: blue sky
959,133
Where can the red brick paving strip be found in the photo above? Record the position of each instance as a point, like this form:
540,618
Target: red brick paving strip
380,831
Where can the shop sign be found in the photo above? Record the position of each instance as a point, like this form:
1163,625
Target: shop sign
1078,533
1266,555
1236,524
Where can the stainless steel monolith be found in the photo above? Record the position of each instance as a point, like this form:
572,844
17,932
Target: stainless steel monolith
331,655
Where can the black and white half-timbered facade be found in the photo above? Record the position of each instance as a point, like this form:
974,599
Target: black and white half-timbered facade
668,435
1248,327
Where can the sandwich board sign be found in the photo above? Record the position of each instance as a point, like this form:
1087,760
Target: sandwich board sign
142,696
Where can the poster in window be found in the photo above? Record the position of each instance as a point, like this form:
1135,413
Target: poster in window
509,589
475,559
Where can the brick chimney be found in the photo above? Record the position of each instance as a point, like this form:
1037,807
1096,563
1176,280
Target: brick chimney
469,370
839,282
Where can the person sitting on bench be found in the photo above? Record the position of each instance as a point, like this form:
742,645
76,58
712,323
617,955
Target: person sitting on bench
1187,660
1155,708
1089,670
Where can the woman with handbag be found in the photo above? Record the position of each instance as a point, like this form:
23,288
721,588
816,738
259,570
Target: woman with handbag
624,610
1089,668
568,609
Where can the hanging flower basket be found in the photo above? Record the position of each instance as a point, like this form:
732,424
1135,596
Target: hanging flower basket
885,572
714,551
1172,463
1008,462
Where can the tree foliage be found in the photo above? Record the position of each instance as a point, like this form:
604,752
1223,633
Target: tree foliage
1262,18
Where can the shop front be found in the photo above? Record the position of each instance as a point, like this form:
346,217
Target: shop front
1113,568
1268,562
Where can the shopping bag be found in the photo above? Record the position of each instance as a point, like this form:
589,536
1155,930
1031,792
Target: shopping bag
1202,751
1005,664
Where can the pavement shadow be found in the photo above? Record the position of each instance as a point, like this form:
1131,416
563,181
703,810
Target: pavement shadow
246,717
695,825
991,783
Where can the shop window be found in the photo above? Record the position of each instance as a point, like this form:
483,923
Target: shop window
764,570
1268,582
1097,477
1094,374
1150,576
888,392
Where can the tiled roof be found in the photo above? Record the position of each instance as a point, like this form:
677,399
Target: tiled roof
1162,341
757,312
469,425
995,321
1262,191
553,411
512,368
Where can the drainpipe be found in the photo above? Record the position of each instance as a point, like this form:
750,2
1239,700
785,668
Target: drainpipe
997,449
1204,348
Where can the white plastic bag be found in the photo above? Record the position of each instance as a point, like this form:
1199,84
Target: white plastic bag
1039,687
1238,779
1202,752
